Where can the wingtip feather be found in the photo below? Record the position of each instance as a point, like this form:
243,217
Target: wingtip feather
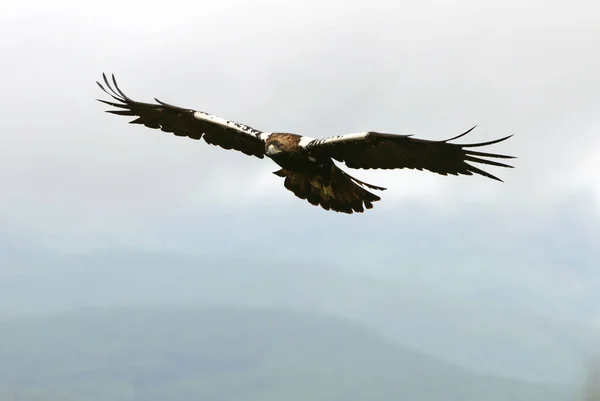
461,135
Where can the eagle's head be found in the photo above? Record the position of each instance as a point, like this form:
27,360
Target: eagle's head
273,148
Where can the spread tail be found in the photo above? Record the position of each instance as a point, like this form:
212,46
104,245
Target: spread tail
339,192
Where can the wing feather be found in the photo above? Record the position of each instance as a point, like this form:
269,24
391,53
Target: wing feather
184,122
376,150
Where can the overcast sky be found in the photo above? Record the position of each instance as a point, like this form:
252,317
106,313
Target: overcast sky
74,178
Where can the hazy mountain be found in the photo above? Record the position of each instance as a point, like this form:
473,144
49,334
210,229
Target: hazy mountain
471,334
224,353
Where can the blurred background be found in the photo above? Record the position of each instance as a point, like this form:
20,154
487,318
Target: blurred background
138,265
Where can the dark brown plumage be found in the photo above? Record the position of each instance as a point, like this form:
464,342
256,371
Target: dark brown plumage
307,164
184,122
390,151
336,191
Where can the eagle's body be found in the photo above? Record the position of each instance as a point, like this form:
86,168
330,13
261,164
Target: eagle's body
315,177
307,164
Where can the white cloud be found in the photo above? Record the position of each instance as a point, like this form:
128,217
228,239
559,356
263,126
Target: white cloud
585,177
318,68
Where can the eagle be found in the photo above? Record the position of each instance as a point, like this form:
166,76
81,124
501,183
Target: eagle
307,164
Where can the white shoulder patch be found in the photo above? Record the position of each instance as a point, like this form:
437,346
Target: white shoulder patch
305,140
264,136
200,115
359,136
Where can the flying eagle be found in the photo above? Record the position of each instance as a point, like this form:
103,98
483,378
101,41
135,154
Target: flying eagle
307,164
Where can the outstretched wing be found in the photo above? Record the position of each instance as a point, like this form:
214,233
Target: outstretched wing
375,150
187,122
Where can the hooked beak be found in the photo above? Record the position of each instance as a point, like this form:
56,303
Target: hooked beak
272,150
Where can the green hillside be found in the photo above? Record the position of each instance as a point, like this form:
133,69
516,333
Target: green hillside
219,354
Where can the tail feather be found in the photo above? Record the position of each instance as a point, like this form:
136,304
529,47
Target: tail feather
339,192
